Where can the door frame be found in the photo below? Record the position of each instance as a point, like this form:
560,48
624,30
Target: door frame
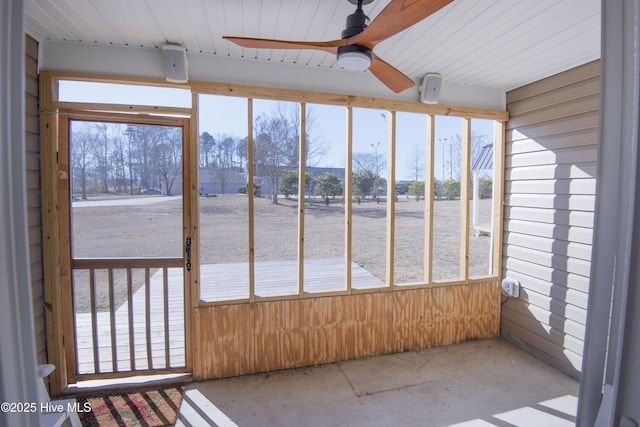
64,225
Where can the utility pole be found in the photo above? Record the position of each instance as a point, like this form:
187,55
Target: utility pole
450,163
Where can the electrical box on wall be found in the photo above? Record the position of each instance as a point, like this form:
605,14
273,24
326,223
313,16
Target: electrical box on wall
511,288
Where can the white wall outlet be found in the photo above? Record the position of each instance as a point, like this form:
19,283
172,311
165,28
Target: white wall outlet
511,288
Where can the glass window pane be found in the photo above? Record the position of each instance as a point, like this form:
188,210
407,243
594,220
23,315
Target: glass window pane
276,161
369,208
411,142
224,205
324,223
446,206
481,209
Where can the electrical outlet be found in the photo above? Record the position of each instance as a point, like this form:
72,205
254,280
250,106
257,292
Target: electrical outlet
511,288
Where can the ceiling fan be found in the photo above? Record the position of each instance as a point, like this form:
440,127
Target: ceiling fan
355,49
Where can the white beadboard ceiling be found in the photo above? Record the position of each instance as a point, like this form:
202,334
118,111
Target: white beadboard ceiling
498,44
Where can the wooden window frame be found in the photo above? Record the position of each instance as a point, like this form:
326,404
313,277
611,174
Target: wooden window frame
49,105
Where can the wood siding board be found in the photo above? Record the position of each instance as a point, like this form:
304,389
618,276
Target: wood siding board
575,123
555,112
557,232
570,249
554,142
551,216
585,186
553,335
552,320
579,89
571,155
549,200
575,170
551,260
563,278
540,341
32,131
560,292
557,306
583,72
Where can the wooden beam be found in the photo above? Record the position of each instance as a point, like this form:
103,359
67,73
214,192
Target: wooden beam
250,196
63,251
217,88
465,167
122,108
345,100
391,195
348,196
191,227
498,197
302,154
429,195
50,235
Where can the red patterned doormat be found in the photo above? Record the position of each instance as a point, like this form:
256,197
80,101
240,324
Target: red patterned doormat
149,408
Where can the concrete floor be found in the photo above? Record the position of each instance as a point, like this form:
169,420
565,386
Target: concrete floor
479,383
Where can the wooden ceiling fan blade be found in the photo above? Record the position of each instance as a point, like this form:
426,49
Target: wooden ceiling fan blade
390,76
397,16
329,46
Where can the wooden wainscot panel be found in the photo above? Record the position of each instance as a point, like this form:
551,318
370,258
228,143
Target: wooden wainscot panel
412,312
277,342
328,330
265,336
225,341
484,321
374,317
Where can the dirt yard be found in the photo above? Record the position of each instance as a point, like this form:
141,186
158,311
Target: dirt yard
154,229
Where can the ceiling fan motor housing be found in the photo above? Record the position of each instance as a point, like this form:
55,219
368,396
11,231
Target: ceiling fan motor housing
356,23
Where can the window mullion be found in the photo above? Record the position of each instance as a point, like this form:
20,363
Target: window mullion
348,197
428,198
301,192
465,166
250,196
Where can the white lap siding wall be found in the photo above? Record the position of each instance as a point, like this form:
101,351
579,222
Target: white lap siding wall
550,171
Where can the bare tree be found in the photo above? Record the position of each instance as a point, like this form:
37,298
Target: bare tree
101,145
478,140
168,154
118,158
223,159
277,143
274,138
415,163
207,143
81,154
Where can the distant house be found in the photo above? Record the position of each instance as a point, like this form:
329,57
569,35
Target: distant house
210,182
262,178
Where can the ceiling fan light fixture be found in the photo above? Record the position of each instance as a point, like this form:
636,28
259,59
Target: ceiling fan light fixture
354,57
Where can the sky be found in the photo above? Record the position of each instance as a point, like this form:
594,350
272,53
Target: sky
224,115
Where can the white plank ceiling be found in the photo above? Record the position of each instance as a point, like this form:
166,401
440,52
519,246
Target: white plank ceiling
499,44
